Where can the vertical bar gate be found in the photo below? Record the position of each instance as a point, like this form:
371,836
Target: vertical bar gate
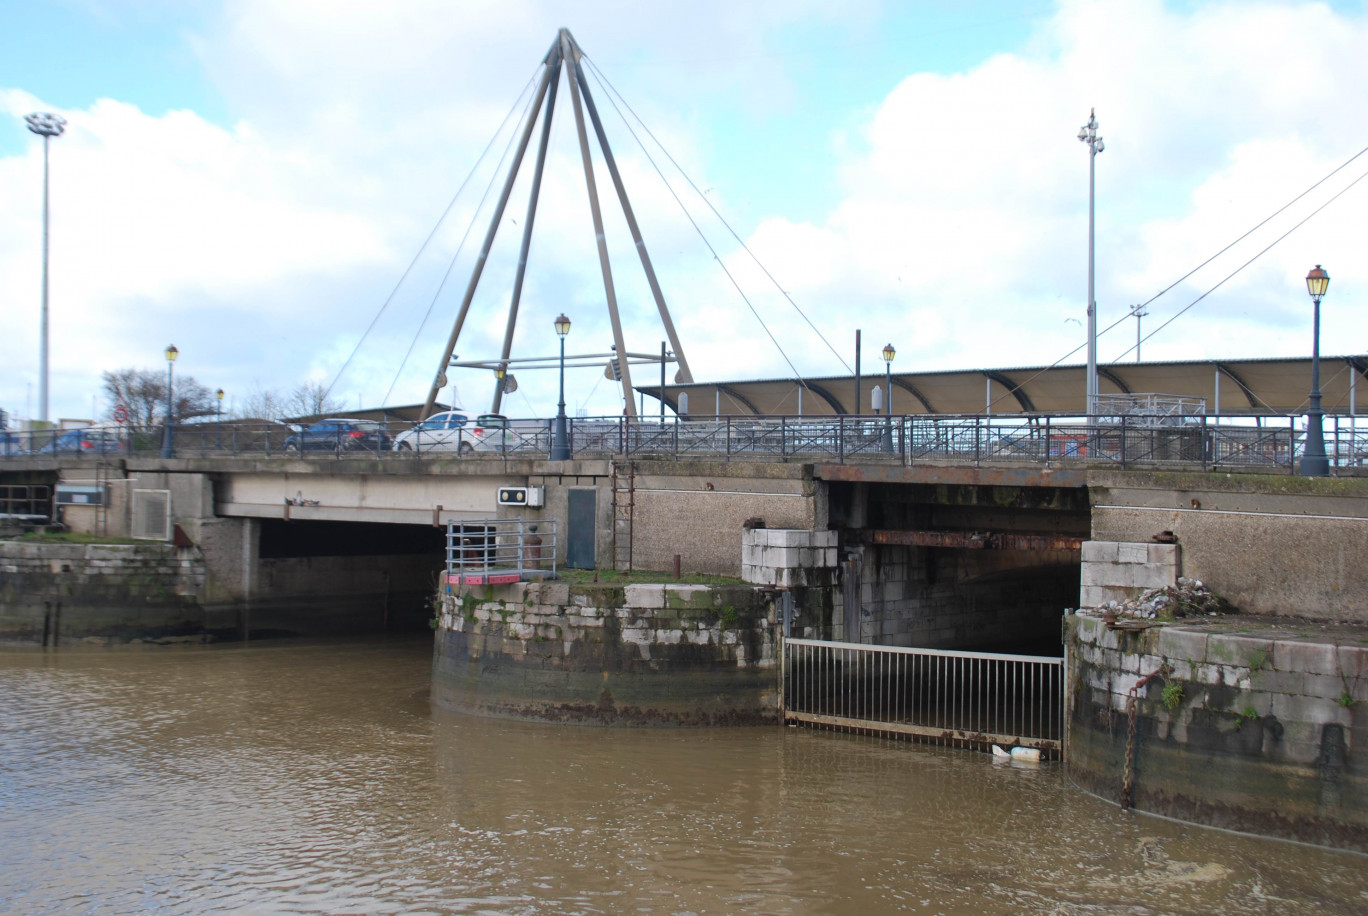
963,699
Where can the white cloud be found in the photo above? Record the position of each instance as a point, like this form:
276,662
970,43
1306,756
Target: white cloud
264,248
968,199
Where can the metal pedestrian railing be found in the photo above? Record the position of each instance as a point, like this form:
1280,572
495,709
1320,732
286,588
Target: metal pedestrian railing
500,551
1271,444
967,699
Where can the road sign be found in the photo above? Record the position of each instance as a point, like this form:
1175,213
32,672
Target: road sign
121,414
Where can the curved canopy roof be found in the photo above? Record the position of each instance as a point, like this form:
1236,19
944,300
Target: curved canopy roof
1249,387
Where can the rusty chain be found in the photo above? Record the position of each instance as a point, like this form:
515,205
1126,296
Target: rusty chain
1133,714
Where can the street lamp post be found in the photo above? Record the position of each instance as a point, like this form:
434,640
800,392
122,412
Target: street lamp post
1139,311
1088,134
168,444
888,354
1314,463
46,126
560,443
218,419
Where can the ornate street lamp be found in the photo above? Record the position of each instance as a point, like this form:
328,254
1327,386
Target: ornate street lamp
560,443
1088,134
46,126
888,354
1314,463
168,445
218,419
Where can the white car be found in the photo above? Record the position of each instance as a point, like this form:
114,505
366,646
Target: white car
442,432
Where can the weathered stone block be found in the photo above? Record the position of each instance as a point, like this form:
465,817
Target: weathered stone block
1310,658
1244,651
1099,552
1326,686
557,593
645,596
1353,661
688,596
1313,710
1164,554
782,556
1132,553
789,537
1176,643
1290,682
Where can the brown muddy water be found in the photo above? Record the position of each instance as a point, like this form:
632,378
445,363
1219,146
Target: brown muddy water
314,778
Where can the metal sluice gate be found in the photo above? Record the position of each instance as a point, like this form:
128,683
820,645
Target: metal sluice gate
937,696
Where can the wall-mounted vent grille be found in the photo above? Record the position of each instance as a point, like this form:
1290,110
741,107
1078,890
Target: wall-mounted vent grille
152,515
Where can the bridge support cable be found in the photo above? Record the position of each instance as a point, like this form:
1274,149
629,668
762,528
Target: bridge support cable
684,374
422,248
455,258
439,380
613,91
568,54
610,92
531,217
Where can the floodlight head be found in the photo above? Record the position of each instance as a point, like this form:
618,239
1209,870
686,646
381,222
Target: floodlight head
562,325
45,124
1317,282
172,353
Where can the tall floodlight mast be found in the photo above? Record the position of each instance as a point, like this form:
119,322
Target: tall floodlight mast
1088,134
46,126
564,51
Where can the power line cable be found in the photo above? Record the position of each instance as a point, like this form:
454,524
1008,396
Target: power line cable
1124,318
609,86
1261,253
426,242
1237,241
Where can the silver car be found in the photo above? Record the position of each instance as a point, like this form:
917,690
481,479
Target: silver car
441,432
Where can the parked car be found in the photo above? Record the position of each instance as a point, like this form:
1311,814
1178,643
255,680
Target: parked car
441,432
491,432
74,441
340,435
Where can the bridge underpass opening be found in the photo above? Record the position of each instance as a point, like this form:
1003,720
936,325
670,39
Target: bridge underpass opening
967,567
327,578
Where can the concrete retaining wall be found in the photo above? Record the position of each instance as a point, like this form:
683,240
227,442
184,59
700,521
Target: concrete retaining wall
1264,727
634,655
60,594
1271,545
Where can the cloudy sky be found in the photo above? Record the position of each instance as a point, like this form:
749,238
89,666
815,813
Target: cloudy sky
250,179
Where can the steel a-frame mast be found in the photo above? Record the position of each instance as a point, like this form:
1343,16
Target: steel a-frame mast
563,52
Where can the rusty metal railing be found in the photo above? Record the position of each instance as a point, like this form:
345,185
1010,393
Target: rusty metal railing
967,699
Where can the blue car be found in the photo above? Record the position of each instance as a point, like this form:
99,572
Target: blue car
340,435
80,441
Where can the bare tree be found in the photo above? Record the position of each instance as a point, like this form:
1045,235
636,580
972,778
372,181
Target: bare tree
262,404
311,399
142,392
